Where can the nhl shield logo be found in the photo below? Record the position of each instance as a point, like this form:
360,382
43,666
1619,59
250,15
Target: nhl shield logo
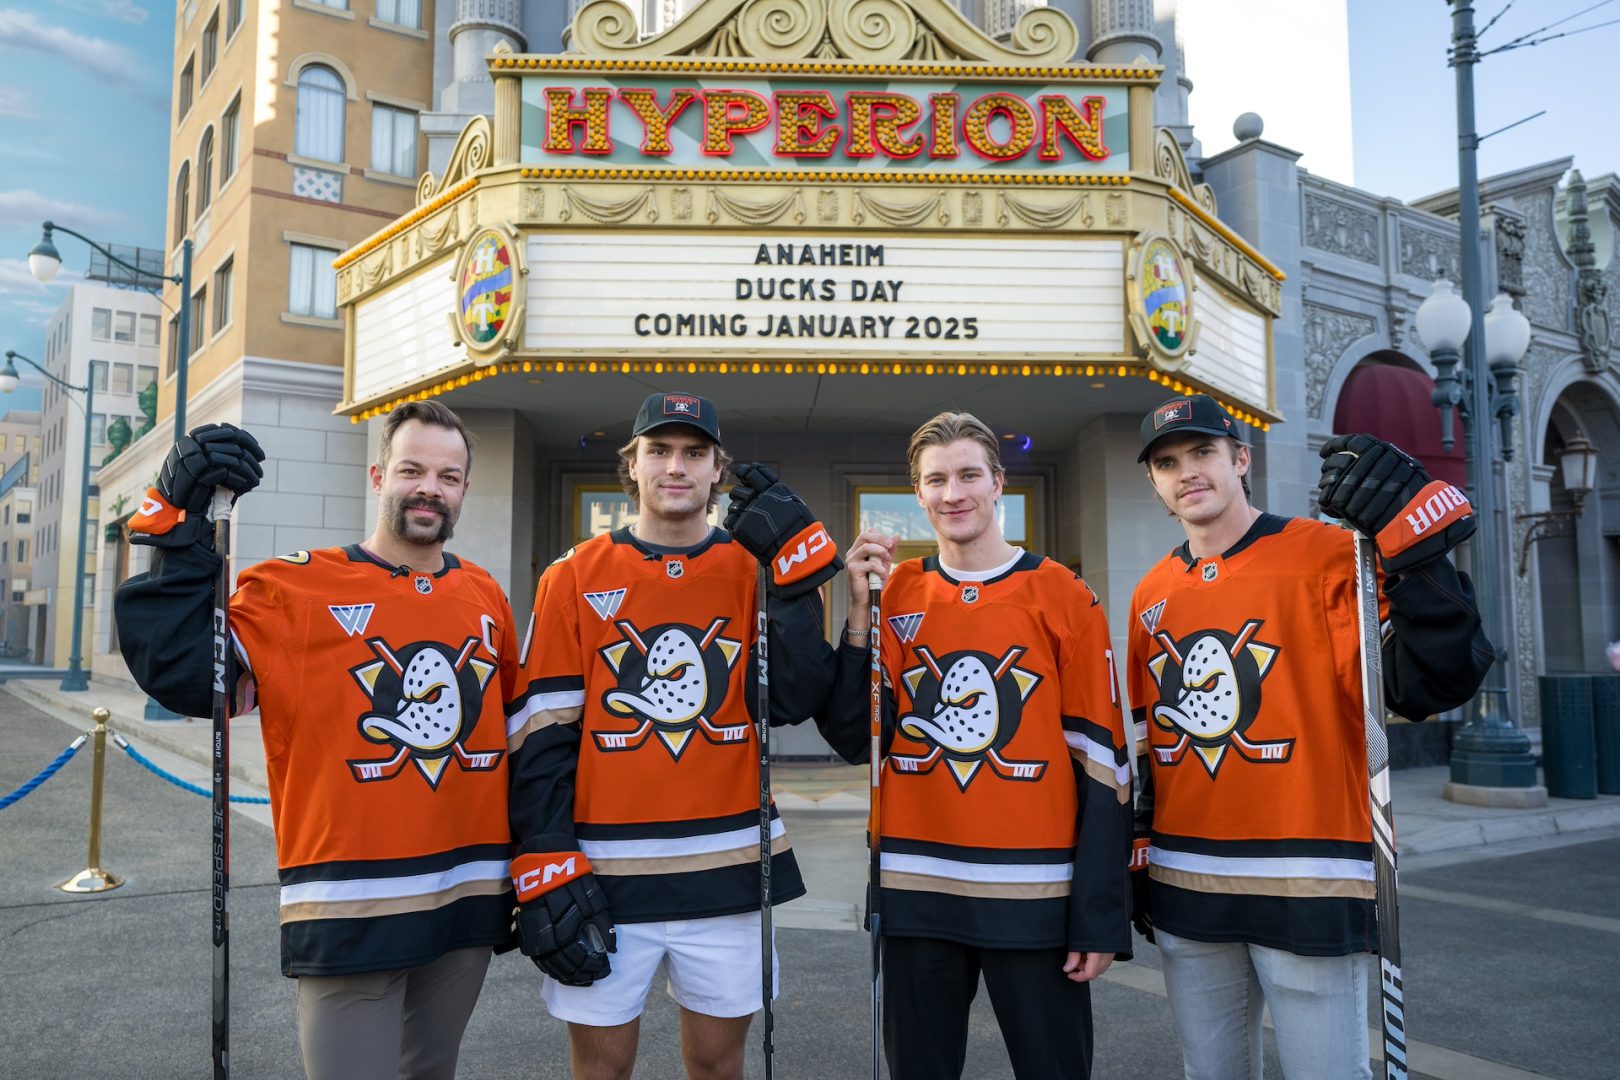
424,585
1210,571
1209,696
970,594
425,702
672,679
674,567
965,707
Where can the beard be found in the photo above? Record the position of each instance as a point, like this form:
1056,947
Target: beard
396,511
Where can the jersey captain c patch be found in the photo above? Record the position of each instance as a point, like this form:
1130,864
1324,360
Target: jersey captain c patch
1209,695
425,702
965,707
672,679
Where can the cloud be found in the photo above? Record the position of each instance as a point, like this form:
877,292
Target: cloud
31,208
125,11
14,102
15,278
111,61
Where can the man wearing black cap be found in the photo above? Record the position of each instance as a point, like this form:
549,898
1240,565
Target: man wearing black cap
1254,834
635,790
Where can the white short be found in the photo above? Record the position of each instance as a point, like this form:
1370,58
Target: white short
713,967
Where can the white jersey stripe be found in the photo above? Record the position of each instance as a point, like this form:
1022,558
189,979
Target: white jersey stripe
668,847
1102,755
1286,867
326,892
562,699
929,866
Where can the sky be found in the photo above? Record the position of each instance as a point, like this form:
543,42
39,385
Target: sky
85,89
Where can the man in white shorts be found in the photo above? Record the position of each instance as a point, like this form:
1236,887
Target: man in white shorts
635,790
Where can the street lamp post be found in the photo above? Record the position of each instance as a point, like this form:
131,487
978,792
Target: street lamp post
75,679
1490,751
44,261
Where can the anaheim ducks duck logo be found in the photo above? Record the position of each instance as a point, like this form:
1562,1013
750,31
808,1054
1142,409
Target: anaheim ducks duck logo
1209,694
966,707
425,702
673,679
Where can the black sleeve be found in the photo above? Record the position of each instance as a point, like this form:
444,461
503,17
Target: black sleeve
802,662
1100,903
542,772
1144,783
1437,654
846,723
165,627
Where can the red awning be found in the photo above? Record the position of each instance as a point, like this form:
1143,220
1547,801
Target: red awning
1395,404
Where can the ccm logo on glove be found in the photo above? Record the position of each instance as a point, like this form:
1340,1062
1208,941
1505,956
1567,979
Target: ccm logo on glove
805,554
1439,504
533,874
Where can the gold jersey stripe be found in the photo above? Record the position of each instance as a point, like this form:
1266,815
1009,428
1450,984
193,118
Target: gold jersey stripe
686,864
1261,886
989,890
393,905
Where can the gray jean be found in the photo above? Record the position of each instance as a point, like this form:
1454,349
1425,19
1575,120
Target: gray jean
1218,994
390,1025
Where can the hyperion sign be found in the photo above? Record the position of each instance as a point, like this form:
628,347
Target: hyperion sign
788,122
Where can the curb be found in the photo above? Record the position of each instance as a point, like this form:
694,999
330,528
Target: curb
1476,834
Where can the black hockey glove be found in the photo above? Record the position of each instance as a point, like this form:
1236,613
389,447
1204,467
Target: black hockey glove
563,921
1141,914
212,456
1384,493
777,528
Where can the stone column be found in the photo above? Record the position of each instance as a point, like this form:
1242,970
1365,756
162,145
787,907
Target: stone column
1122,31
480,25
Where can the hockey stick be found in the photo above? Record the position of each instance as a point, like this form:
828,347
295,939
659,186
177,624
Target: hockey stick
1383,812
221,512
874,586
767,984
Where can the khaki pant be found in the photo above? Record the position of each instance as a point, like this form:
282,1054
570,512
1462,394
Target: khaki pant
390,1025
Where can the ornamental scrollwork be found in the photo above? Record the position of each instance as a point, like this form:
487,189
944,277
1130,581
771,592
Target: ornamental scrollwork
473,152
1328,334
1341,229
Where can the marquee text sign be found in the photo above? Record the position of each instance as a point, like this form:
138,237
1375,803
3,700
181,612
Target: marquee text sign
726,122
613,293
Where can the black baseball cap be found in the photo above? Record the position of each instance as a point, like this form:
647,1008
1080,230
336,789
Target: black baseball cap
676,408
1197,413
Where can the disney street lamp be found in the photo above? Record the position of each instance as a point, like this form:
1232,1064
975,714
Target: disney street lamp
75,679
44,261
1490,751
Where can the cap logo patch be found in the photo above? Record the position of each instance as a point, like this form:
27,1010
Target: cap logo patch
681,405
1171,413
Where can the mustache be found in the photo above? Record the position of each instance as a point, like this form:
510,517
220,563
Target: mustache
423,502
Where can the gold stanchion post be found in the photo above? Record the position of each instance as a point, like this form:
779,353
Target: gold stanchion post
93,879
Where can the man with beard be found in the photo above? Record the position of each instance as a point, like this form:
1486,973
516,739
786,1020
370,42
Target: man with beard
381,671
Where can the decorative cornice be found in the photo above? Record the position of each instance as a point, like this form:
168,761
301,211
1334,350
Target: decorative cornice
871,30
875,176
378,239
926,70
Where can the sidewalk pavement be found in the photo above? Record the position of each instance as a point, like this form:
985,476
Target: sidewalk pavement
1426,823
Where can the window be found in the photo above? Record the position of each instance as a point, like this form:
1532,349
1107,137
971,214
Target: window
341,5
183,93
172,356
98,429
25,510
233,17
149,331
145,375
124,327
321,102
205,173
199,319
312,283
229,126
123,377
210,46
100,324
222,295
18,587
22,551
89,590
5,516
407,13
393,140
4,545
182,201
895,511
98,374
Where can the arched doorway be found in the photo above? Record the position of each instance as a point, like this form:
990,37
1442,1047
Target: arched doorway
1578,563
1389,395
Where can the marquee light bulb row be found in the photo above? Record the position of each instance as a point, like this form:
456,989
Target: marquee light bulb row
790,367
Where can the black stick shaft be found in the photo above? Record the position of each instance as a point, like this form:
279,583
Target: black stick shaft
767,984
222,791
1391,982
874,585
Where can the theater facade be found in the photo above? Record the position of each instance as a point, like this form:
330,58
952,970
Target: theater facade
835,225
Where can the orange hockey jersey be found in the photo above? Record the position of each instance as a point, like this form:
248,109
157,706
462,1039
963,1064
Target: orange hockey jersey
633,740
381,695
1244,677
1004,806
